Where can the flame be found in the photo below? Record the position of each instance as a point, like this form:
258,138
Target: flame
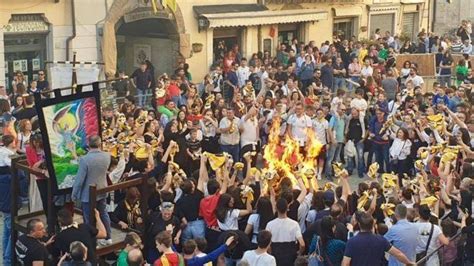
283,154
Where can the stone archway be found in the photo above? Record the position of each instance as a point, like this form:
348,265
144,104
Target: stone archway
109,46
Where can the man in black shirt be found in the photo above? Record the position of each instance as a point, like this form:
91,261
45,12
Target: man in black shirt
42,83
71,231
142,79
29,249
187,209
29,111
122,87
355,131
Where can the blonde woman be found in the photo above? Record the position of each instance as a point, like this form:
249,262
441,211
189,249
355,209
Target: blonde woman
24,135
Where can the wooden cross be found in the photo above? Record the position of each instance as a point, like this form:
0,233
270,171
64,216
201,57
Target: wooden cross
74,75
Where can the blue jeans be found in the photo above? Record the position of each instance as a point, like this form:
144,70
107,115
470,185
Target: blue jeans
333,154
141,97
231,262
382,156
350,85
338,83
444,80
104,215
360,160
233,150
7,238
194,229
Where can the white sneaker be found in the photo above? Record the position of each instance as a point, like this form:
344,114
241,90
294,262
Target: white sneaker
104,242
319,177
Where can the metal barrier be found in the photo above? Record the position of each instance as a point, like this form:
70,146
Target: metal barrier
432,253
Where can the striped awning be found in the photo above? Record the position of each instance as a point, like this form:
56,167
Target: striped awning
255,18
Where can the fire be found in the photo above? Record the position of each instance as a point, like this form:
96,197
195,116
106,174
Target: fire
284,156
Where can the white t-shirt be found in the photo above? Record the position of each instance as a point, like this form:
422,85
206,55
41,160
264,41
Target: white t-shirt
360,104
366,71
254,220
5,156
243,74
320,127
416,80
249,134
423,235
284,230
336,101
255,259
231,220
263,79
299,126
230,138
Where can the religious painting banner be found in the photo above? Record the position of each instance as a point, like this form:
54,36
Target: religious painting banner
66,123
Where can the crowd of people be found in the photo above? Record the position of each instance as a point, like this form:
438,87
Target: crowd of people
253,165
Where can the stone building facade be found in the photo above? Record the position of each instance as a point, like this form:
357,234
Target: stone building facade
122,32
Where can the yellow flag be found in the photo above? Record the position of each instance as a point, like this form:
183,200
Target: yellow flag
171,4
153,5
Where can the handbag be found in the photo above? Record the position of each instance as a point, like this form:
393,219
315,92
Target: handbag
423,254
315,258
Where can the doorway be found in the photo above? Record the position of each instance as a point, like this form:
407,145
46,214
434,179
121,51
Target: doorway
24,53
153,39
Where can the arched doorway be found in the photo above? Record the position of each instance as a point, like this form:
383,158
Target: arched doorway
138,14
154,39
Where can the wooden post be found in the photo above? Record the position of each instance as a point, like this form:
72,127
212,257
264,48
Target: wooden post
74,75
92,204
14,207
51,214
144,198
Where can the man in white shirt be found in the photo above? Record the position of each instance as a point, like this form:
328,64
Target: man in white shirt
289,88
230,135
321,128
264,79
285,233
416,80
359,103
260,256
248,128
298,124
424,231
243,72
367,69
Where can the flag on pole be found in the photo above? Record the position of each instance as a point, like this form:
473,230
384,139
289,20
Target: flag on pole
153,5
171,4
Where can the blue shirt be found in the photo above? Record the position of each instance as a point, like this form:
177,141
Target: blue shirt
337,124
441,99
404,236
366,249
232,77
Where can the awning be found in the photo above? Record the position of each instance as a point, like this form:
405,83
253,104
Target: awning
412,1
347,11
261,18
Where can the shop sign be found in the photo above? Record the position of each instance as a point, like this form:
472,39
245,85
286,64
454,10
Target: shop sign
25,26
145,14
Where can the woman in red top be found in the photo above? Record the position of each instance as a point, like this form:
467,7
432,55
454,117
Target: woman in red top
38,190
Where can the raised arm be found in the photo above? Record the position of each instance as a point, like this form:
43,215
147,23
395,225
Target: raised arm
304,191
203,174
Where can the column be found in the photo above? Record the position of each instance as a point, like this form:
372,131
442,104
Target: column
209,46
2,59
